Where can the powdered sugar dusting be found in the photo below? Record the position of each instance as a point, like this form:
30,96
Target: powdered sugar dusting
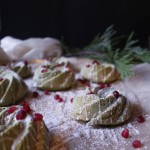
67,133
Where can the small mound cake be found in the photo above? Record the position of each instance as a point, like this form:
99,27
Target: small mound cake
20,129
12,87
54,75
100,72
101,107
22,69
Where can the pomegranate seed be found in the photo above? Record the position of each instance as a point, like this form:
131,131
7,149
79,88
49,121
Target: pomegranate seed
71,100
14,61
95,62
84,82
125,133
43,70
11,109
108,85
90,93
46,92
140,119
21,114
102,85
68,66
26,107
1,79
87,84
43,66
56,97
25,103
35,94
69,71
59,65
136,144
38,117
116,94
26,62
88,66
60,100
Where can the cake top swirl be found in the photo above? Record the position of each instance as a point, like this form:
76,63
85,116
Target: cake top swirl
29,126
101,107
12,87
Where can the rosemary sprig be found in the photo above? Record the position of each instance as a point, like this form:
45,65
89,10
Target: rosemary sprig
107,48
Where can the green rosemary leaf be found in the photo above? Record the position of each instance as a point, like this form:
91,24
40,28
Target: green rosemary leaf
123,64
107,48
130,43
141,55
103,42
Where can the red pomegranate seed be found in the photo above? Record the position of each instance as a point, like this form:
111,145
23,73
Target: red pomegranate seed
43,70
90,93
21,114
140,119
26,62
87,84
25,103
71,100
69,71
88,66
26,107
43,66
11,109
60,100
125,133
136,144
68,66
46,92
116,94
84,82
108,85
14,61
56,97
95,62
1,79
59,65
102,85
38,117
35,94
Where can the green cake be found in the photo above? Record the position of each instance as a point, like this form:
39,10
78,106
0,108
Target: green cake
101,107
12,87
20,131
22,69
54,75
100,72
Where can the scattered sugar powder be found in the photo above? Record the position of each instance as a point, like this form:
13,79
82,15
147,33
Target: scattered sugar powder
68,134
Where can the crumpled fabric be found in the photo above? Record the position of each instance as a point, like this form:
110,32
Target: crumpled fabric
32,48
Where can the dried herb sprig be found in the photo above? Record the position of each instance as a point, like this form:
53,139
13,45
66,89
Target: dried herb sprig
107,48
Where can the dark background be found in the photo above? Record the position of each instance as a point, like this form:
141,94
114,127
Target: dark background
78,21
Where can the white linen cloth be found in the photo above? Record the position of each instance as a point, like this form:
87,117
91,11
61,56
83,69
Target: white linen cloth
31,48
